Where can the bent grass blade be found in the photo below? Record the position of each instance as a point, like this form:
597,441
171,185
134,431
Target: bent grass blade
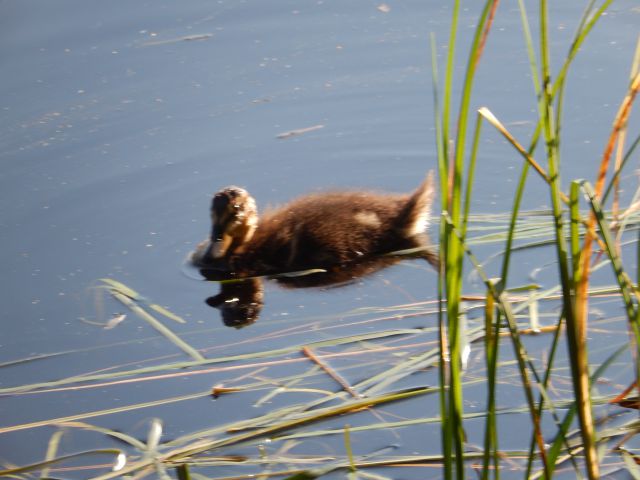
169,334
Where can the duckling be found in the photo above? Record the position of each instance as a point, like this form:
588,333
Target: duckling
321,230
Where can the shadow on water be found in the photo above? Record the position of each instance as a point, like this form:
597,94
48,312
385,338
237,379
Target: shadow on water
240,300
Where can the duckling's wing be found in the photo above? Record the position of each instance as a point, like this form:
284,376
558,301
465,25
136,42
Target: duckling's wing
415,215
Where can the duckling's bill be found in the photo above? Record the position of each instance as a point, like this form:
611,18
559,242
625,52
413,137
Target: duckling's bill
220,242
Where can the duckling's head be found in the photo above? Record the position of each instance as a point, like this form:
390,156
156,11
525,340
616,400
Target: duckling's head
234,218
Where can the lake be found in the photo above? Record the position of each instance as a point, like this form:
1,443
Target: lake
120,119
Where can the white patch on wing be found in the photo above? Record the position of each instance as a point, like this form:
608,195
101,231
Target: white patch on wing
370,219
420,224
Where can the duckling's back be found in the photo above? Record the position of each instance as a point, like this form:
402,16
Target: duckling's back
327,229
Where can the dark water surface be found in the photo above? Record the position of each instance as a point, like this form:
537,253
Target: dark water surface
119,119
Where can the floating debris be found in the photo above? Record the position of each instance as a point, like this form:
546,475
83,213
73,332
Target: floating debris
299,131
115,321
186,38
220,389
261,100
384,8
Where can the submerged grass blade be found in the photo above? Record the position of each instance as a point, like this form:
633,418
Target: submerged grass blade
101,413
34,467
170,335
347,447
127,439
52,450
122,288
182,453
210,361
115,285
631,462
163,311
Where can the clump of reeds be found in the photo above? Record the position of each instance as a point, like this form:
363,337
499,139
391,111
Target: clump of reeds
574,235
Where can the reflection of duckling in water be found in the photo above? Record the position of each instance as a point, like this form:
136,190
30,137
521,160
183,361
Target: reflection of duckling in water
322,230
240,302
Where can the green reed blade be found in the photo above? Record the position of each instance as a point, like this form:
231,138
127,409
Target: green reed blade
492,329
627,156
182,472
562,435
542,405
453,253
523,359
471,168
624,282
